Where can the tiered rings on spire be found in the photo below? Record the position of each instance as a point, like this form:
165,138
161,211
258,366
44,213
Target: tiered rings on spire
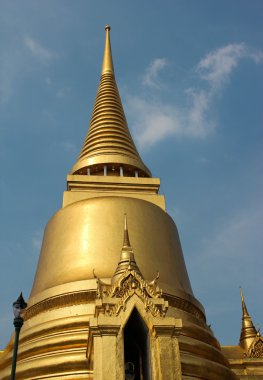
109,148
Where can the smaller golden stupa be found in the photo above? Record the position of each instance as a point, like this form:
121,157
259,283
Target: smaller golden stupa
246,359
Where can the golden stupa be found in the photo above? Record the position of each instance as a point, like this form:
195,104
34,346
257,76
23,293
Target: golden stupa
111,297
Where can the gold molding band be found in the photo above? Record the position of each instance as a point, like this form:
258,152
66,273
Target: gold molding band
57,302
83,297
184,305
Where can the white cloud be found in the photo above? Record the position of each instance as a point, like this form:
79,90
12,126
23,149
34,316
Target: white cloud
217,66
150,77
155,120
197,123
40,52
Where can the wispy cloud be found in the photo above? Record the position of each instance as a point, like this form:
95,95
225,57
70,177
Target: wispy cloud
37,241
197,123
11,62
39,51
155,120
69,147
151,74
235,236
229,249
202,160
15,63
226,258
63,93
48,81
217,66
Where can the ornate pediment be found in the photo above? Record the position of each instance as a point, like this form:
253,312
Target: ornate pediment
111,299
256,349
126,282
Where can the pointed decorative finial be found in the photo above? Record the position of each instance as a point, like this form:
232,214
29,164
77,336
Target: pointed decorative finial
127,259
244,308
126,240
107,65
248,331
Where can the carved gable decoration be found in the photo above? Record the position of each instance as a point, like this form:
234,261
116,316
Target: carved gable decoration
256,351
112,299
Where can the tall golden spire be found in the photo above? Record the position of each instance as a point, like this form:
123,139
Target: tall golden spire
127,259
109,147
248,331
107,64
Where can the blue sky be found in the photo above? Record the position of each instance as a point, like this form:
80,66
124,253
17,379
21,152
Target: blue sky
190,77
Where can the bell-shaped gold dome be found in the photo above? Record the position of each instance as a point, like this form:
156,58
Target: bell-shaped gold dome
88,235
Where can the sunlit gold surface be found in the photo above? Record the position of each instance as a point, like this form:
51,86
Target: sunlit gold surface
107,64
82,187
248,331
82,237
245,367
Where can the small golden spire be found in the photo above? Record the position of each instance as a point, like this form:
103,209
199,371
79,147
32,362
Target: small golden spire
107,64
126,240
244,308
248,331
127,259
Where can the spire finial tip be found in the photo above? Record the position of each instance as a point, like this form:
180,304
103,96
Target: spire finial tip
107,27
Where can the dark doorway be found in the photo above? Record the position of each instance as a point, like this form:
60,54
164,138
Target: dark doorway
136,347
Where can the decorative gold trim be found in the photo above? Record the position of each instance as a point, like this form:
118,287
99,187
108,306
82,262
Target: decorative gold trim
184,305
83,297
111,299
63,300
257,350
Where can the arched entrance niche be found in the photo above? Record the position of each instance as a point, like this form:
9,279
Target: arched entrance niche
136,348
131,337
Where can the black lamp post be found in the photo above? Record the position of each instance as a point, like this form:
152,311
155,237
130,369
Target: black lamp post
18,306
